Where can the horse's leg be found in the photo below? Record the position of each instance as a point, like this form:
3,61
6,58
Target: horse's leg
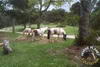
42,37
27,36
52,39
33,36
23,34
56,38
58,35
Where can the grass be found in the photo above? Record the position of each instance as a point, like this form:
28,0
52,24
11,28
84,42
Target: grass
70,30
8,35
34,54
29,54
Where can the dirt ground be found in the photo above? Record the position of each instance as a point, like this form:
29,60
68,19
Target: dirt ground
3,36
43,40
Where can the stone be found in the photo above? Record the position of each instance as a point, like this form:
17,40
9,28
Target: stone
6,47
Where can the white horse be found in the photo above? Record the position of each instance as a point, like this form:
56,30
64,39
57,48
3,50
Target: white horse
40,31
58,31
27,31
43,30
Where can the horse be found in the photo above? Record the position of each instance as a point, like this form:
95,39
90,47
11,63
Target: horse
58,31
40,32
36,32
28,31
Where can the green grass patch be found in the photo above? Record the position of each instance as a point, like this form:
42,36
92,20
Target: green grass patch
34,54
8,35
71,30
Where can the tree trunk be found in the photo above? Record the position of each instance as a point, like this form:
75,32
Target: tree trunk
83,29
24,26
13,25
40,20
38,25
29,25
84,23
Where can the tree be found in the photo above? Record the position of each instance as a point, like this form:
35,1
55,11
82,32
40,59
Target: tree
4,20
75,8
19,4
17,9
95,18
12,15
85,11
1,6
55,16
71,19
42,4
97,8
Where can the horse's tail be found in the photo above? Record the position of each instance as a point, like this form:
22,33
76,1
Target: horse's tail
64,36
48,34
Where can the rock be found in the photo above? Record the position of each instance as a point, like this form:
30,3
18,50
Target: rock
6,47
98,39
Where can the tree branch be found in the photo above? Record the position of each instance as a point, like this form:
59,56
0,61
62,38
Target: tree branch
92,4
47,6
40,1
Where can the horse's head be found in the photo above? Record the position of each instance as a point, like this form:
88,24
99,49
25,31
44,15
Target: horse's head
64,36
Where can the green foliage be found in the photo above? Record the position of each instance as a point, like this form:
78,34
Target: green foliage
95,18
20,4
96,21
92,38
75,8
55,16
32,3
1,7
58,3
5,21
71,19
95,27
